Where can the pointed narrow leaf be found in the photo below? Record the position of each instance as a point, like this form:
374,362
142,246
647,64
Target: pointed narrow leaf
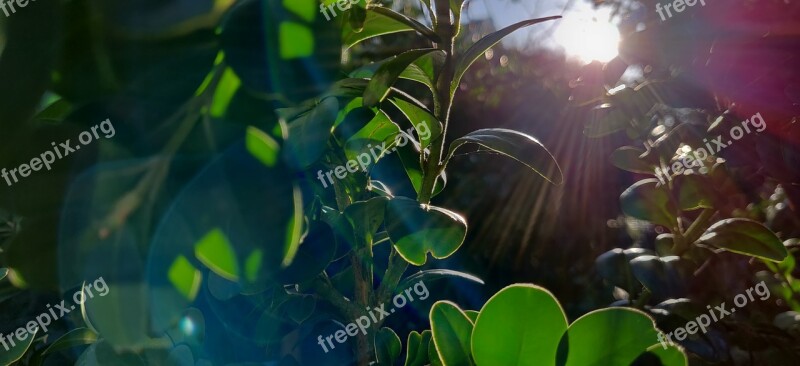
431,275
484,44
746,237
415,25
516,145
76,337
388,73
427,126
374,25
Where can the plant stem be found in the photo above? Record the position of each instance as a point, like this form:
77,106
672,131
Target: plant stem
694,231
445,29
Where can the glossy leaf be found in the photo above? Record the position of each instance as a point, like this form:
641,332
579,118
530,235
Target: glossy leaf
417,352
374,25
417,229
431,275
388,73
15,352
747,237
627,158
387,346
516,145
74,338
503,337
452,334
644,200
422,121
410,22
615,336
484,44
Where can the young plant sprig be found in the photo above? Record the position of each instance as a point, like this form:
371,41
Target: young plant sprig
361,211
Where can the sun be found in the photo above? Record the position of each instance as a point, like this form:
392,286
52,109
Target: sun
588,39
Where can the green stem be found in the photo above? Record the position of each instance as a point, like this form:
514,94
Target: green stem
694,231
433,167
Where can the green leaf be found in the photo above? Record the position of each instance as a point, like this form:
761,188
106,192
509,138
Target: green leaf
417,353
644,200
216,252
520,325
747,237
185,277
607,337
410,22
431,275
375,25
516,145
55,112
74,338
472,315
357,17
483,45
455,6
3,273
421,119
387,346
369,139
452,333
366,216
307,136
627,158
671,356
433,355
659,275
262,146
417,229
410,158
605,120
694,192
15,352
388,73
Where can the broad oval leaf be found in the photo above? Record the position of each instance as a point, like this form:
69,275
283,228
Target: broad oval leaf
452,334
387,346
607,337
747,237
388,73
627,158
74,338
484,44
503,337
644,200
15,352
516,145
667,356
417,230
